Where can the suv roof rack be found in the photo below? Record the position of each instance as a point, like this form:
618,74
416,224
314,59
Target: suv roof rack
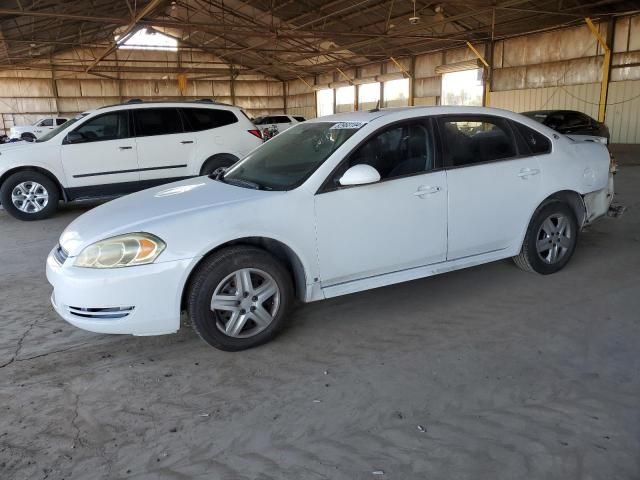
134,100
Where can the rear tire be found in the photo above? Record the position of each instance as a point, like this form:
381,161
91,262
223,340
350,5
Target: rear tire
239,298
29,195
218,164
28,137
550,240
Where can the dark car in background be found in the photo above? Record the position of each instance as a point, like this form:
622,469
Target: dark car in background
571,123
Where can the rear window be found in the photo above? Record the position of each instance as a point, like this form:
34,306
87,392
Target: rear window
198,119
157,121
537,143
280,119
300,119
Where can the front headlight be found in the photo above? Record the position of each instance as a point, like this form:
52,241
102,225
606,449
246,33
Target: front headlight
121,251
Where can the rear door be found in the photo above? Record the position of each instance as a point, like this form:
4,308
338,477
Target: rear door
165,149
494,184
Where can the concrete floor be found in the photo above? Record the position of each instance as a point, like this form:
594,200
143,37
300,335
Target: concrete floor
487,373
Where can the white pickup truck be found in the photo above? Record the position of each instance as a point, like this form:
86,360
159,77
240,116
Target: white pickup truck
32,132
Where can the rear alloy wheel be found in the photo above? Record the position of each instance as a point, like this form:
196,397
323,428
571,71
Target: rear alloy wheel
217,165
239,298
28,137
29,195
550,240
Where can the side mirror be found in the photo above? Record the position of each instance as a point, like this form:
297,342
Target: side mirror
74,137
360,175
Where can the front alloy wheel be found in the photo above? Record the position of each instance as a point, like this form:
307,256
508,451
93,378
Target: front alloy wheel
30,197
245,302
239,298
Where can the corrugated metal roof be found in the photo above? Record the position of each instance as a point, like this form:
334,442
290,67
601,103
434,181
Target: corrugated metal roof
285,38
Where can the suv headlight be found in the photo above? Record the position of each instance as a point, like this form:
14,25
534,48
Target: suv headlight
121,251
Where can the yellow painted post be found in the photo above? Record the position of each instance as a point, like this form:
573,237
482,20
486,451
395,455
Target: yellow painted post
606,67
487,84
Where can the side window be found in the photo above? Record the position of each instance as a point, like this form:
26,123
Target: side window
280,119
536,142
47,122
157,121
199,119
110,126
300,119
467,140
60,121
403,149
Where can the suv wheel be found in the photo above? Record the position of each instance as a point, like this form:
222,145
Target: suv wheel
239,298
550,239
218,164
28,137
29,195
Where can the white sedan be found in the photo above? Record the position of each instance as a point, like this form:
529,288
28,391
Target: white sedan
332,206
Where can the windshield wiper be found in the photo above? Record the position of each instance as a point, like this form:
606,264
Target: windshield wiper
240,183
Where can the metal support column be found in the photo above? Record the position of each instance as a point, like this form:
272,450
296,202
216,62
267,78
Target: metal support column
606,64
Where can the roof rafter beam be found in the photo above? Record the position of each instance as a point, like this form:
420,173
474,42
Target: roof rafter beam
148,9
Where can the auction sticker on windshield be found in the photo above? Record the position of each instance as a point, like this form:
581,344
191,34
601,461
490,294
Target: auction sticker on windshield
347,125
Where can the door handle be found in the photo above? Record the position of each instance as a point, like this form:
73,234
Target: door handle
183,142
125,148
426,190
528,172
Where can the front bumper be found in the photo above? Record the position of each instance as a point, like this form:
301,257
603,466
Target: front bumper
141,300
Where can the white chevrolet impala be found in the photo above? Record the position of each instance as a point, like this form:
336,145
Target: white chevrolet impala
332,206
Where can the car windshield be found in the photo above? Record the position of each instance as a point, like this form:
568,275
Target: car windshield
58,129
288,159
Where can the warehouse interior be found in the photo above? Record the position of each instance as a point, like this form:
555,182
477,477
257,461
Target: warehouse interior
481,373
299,57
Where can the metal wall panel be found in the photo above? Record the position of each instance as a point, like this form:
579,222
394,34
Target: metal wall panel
583,98
623,105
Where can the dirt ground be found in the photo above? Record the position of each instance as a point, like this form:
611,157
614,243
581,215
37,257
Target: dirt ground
486,373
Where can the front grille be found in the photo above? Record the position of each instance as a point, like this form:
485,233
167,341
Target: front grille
60,254
107,313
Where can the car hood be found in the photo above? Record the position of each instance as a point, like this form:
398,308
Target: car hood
16,146
139,211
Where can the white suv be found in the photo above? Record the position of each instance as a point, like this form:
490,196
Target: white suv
121,149
279,122
32,132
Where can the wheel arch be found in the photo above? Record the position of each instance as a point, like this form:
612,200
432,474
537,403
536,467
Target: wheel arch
41,170
571,198
278,249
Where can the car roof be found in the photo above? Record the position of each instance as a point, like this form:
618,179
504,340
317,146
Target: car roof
370,115
159,103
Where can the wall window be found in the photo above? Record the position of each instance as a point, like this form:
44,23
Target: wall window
396,93
368,96
345,99
325,102
462,88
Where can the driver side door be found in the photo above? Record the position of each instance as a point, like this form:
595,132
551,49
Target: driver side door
102,153
389,226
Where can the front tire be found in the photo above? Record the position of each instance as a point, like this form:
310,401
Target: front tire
29,195
28,137
550,240
239,298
